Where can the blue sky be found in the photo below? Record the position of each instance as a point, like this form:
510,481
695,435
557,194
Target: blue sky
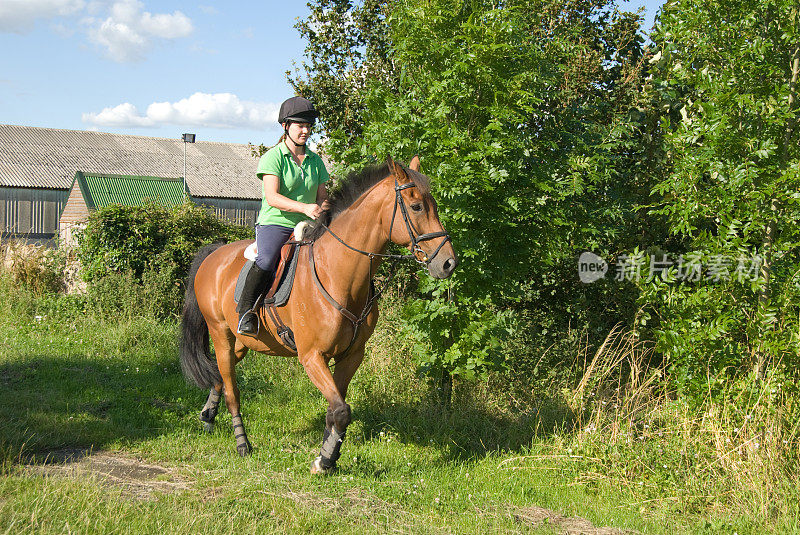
155,68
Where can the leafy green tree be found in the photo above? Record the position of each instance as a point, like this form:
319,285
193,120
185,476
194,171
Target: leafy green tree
525,114
731,69
347,48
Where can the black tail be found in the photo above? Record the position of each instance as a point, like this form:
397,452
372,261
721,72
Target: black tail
198,365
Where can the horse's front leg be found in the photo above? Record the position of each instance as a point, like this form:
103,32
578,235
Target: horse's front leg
338,415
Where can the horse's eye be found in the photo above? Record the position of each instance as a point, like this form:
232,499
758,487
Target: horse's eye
417,207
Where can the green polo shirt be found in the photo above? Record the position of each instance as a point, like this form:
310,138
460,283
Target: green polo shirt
298,183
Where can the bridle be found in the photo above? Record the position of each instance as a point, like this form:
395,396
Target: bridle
413,234
415,237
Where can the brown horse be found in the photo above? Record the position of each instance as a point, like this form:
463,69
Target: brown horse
330,308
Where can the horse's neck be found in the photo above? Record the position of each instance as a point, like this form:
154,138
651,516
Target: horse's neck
359,226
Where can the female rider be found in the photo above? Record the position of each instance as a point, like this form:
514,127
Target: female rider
293,179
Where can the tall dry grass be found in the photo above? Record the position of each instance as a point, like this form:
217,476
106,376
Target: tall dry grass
37,267
735,453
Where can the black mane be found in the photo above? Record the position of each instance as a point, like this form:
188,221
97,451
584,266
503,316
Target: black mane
354,186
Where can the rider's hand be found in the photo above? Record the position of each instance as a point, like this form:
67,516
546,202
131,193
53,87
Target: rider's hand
312,210
326,205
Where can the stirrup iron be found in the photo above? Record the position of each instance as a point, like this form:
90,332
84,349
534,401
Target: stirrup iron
247,316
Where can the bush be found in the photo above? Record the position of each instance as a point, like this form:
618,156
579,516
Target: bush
528,138
149,247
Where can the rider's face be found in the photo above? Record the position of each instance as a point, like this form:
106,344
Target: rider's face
300,132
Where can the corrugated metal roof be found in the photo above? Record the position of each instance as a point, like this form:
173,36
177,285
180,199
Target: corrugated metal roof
100,190
32,157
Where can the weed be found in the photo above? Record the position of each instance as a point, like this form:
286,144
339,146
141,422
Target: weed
37,267
733,455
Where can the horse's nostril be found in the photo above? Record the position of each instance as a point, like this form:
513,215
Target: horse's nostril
448,265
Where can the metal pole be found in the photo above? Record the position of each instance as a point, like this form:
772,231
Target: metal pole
184,170
187,138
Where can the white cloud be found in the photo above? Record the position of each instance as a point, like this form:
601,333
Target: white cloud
198,49
19,16
124,115
218,110
125,33
128,32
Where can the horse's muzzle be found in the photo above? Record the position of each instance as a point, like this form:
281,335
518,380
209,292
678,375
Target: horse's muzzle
442,266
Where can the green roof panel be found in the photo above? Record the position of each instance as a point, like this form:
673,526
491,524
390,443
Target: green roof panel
100,189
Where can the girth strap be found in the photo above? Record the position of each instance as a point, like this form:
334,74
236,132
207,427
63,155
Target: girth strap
283,330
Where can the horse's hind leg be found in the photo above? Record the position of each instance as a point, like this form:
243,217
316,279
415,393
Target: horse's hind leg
211,408
229,351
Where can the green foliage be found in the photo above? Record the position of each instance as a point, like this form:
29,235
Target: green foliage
550,130
521,114
468,337
725,72
348,47
121,238
152,246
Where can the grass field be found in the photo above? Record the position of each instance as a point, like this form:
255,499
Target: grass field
99,434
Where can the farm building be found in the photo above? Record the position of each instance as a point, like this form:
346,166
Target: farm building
91,191
40,167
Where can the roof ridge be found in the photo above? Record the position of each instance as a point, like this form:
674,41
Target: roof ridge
149,178
177,140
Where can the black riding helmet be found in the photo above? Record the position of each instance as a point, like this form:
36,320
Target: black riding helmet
297,109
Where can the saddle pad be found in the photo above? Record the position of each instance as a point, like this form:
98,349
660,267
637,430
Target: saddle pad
251,252
237,292
284,288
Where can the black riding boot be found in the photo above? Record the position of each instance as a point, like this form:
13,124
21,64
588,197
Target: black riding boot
254,283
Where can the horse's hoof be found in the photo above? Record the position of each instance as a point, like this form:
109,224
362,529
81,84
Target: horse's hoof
207,417
244,449
318,470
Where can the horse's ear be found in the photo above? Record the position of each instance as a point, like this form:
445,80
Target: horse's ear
396,169
414,163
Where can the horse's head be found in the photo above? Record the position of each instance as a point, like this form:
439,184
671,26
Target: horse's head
413,221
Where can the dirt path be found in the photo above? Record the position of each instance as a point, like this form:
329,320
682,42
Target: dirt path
568,525
136,478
